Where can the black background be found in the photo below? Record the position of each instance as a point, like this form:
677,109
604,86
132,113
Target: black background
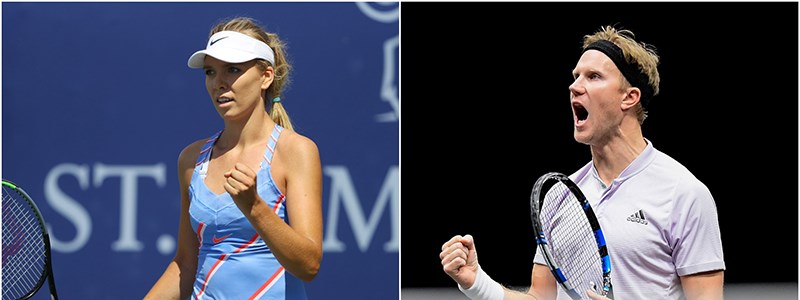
486,111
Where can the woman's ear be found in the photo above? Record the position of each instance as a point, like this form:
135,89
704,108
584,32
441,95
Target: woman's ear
267,77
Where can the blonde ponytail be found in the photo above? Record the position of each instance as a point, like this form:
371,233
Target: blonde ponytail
279,115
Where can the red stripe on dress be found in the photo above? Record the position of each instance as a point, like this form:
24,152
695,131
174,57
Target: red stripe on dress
200,232
211,272
250,242
264,286
222,258
278,203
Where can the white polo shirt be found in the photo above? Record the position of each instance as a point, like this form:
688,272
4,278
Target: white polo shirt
659,222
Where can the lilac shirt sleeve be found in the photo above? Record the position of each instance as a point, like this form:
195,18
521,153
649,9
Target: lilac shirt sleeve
695,235
538,258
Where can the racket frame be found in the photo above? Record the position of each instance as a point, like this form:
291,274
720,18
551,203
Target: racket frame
540,189
48,269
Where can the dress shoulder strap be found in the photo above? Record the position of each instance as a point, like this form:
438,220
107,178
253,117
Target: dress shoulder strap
205,154
273,141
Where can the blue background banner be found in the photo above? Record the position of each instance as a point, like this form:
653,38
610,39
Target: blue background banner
97,103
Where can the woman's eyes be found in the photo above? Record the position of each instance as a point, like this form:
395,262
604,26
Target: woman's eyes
231,69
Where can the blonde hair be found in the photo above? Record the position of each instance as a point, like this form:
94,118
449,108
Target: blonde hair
641,54
281,68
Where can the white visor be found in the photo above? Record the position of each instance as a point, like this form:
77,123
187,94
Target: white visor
232,47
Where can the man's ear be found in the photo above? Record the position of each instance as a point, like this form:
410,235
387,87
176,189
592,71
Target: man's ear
632,97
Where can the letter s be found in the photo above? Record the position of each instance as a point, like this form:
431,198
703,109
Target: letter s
68,207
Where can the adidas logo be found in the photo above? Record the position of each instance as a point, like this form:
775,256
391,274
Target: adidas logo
638,217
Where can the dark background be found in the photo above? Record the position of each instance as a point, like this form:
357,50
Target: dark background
486,111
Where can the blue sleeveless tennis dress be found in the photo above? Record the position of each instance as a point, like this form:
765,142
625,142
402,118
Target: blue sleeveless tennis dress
234,262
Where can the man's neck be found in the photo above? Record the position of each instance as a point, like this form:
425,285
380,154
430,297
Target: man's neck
612,157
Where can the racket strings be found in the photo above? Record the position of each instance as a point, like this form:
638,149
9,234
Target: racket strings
23,247
572,241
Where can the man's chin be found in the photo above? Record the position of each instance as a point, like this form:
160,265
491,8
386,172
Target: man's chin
581,138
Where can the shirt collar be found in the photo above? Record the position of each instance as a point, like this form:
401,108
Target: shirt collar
637,165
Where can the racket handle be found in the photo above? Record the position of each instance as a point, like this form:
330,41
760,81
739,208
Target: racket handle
50,281
608,290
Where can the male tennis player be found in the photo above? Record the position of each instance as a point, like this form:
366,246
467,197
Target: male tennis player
660,222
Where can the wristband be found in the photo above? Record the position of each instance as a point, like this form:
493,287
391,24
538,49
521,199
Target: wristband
484,288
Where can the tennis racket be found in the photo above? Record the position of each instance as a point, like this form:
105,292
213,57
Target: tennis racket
26,246
569,236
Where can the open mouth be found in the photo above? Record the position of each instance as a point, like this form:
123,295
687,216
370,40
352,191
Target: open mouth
222,100
580,112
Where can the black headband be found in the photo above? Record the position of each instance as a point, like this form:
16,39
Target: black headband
629,70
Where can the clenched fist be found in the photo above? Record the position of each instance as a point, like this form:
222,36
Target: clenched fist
460,260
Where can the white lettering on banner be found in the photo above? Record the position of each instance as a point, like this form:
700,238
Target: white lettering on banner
343,193
77,214
389,92
68,207
128,191
384,12
387,12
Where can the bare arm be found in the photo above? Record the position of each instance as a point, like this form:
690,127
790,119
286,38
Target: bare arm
297,246
176,281
702,286
543,285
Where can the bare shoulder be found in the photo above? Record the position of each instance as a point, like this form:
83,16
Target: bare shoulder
297,150
294,146
189,154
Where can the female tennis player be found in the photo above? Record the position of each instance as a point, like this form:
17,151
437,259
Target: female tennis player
251,213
